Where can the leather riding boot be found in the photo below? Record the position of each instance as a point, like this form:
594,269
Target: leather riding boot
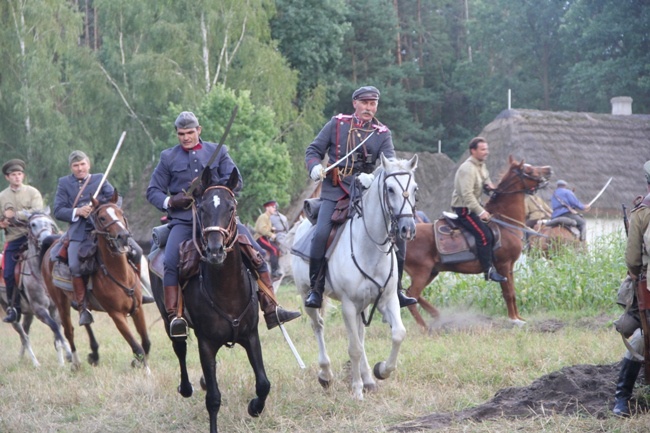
13,309
492,275
177,324
274,314
625,386
79,286
317,283
404,301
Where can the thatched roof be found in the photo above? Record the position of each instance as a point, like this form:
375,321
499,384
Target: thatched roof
585,149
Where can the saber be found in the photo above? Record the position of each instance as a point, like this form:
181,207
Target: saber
110,164
197,181
346,155
600,192
291,346
523,229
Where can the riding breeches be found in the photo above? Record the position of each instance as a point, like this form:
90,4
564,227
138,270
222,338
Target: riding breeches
322,230
581,224
10,259
481,232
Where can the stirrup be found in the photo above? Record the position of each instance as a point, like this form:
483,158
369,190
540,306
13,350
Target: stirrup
178,327
12,315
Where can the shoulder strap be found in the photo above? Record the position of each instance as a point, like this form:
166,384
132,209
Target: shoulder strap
81,191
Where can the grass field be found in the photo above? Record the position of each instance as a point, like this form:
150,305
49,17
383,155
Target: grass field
449,369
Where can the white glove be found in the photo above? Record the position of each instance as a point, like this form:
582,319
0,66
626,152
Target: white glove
366,179
316,172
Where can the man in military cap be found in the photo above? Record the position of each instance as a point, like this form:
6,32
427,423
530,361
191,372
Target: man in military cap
637,257
173,175
15,198
565,203
265,235
338,137
72,204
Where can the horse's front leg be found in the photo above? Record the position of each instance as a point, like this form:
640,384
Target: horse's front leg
25,344
390,312
123,326
180,349
141,328
369,383
355,346
45,316
262,384
207,354
93,356
325,375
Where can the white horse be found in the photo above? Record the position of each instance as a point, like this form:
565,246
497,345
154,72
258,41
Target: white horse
362,271
34,298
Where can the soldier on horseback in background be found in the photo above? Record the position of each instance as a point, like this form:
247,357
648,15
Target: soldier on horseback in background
266,237
637,257
72,204
13,199
471,179
565,203
173,175
338,137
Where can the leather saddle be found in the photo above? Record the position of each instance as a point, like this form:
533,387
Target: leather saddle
454,243
565,223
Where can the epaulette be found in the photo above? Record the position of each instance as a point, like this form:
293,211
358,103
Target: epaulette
380,128
346,117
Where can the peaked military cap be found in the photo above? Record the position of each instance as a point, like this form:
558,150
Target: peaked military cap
270,203
561,183
366,93
76,156
186,120
13,165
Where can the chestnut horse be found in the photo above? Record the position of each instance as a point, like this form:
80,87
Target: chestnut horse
115,289
423,262
220,300
554,239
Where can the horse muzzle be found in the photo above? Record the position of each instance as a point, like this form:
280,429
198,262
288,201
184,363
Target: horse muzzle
406,228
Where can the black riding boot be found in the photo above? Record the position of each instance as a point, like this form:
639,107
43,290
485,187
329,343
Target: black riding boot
13,309
404,301
625,386
317,283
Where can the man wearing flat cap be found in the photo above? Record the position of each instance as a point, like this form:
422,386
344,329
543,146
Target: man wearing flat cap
15,198
341,135
565,203
177,168
72,204
265,236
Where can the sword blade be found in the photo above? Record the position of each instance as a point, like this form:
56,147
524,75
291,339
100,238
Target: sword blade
292,347
600,192
110,164
512,226
347,155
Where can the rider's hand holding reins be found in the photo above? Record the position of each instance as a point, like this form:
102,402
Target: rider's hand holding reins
180,201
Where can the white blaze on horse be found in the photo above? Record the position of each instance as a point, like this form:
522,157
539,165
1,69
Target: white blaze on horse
362,270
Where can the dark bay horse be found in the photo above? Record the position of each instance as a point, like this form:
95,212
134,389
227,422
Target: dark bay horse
114,288
30,285
423,261
220,301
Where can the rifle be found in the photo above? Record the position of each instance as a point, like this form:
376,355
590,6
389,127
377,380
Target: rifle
626,222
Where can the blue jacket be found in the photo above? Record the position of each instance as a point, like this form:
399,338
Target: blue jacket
178,167
563,197
332,140
66,193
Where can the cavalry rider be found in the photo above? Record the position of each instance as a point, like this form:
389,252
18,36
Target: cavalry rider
173,175
565,203
72,204
637,257
16,197
471,179
337,138
536,209
266,237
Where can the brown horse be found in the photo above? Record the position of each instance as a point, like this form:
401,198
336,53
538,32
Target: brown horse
554,239
423,262
116,287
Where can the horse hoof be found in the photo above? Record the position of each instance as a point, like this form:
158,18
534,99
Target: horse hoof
369,387
324,383
377,371
93,359
185,391
518,322
255,408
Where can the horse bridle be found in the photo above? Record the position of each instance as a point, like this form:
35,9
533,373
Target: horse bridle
229,233
540,182
103,229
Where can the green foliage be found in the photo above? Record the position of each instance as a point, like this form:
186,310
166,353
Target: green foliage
569,282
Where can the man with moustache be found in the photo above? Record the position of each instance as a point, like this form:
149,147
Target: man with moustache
338,137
